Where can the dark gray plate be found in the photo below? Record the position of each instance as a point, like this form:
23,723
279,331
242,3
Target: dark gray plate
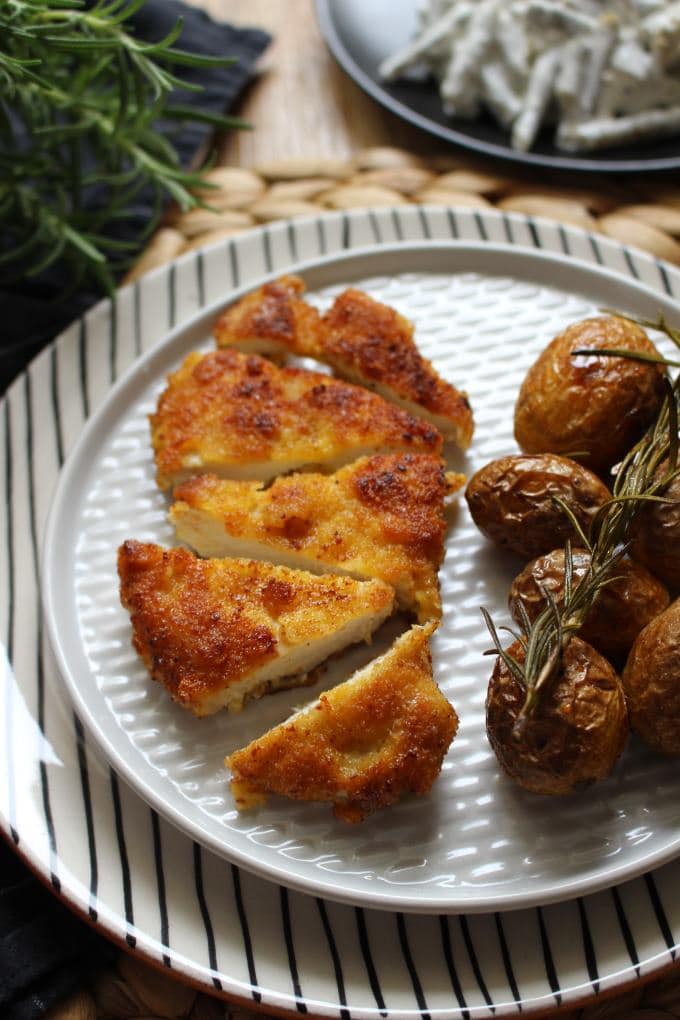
361,33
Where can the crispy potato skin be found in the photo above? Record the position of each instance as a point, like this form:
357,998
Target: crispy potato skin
575,734
622,608
512,500
656,536
651,680
364,744
599,405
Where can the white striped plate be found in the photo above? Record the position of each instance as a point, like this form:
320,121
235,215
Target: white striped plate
482,313
88,834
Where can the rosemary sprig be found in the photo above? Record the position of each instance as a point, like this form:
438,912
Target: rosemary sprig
639,479
80,100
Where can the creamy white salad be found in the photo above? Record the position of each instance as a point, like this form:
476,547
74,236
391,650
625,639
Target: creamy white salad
604,72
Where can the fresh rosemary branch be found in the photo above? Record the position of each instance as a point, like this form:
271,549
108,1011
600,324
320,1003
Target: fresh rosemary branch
646,471
80,100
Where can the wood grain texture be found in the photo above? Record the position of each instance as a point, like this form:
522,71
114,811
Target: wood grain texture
302,103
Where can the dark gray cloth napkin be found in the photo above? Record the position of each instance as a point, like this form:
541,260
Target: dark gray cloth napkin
44,949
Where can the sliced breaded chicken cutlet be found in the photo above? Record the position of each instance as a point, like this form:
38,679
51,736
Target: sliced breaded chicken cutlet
382,516
214,632
272,320
240,416
362,745
362,340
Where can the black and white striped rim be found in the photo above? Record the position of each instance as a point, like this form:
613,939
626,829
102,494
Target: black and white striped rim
112,858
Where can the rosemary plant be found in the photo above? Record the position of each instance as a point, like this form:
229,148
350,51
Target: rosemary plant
646,471
80,98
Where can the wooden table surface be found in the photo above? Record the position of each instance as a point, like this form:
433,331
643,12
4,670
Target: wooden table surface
303,104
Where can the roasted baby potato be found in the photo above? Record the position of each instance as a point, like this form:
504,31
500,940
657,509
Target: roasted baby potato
651,681
623,607
512,501
656,535
576,731
598,406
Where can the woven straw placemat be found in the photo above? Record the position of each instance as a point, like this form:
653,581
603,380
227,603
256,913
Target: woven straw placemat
134,991
638,211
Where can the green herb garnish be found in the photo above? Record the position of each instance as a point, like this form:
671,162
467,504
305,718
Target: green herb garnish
646,471
80,98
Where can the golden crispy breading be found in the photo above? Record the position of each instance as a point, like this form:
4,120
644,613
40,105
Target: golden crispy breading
271,320
381,734
242,417
382,517
214,632
362,340
370,343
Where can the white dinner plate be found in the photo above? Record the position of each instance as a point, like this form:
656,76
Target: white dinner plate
482,313
140,879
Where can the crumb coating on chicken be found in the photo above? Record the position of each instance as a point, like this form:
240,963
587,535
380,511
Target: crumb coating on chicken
382,516
201,626
270,318
370,342
231,413
363,340
363,745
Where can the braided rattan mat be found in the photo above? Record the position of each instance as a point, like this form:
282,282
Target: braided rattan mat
637,211
134,990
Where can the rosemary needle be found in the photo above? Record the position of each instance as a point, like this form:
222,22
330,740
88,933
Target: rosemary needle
80,101
643,475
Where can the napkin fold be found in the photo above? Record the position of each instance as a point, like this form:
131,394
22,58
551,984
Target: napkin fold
45,951
32,312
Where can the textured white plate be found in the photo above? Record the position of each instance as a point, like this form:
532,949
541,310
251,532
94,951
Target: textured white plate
482,313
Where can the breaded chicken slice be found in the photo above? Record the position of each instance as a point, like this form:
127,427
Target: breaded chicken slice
272,321
362,745
382,516
370,343
363,341
215,632
240,416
